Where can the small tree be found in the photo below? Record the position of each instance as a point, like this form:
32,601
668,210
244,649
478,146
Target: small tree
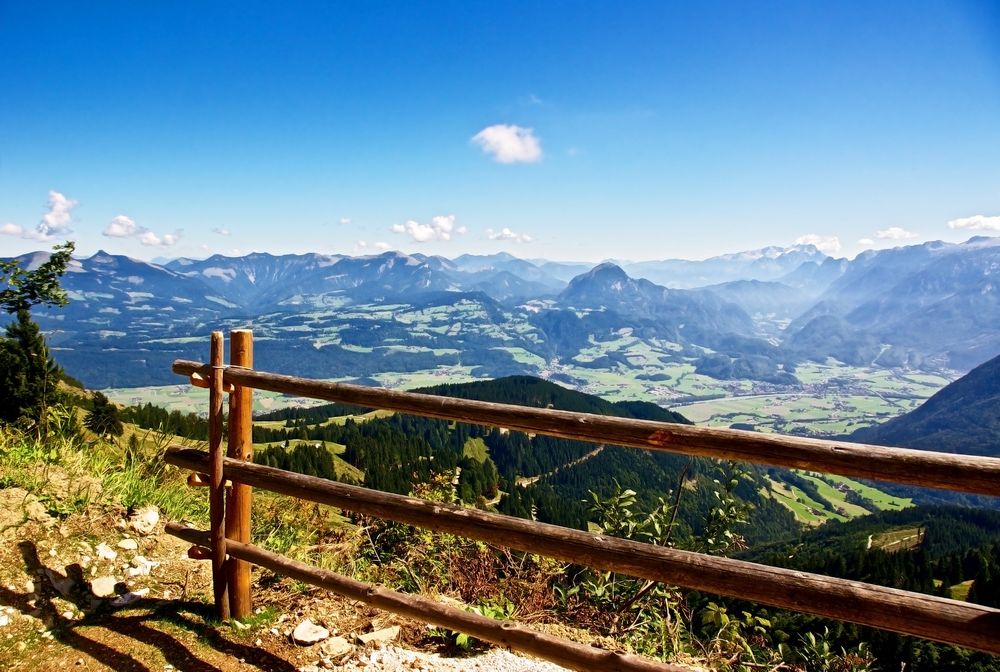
23,289
103,419
28,375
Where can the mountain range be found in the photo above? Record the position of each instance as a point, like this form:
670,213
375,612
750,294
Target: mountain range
757,314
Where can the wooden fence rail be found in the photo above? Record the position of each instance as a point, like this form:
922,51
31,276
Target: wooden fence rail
909,613
936,618
505,633
948,471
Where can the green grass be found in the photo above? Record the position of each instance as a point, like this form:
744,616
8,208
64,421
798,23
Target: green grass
882,500
806,509
960,591
837,498
53,469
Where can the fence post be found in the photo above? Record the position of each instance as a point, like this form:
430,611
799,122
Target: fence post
217,490
240,448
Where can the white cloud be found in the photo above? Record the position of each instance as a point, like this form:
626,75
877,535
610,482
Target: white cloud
222,231
894,233
121,227
827,244
150,239
509,144
441,227
507,234
56,221
976,223
866,242
383,247
345,220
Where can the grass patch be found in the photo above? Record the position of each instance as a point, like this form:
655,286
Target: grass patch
475,448
960,591
898,540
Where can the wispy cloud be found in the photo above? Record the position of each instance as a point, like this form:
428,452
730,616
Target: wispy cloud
895,233
441,227
976,223
509,144
382,247
866,242
827,244
9,229
123,226
222,231
507,234
345,220
153,240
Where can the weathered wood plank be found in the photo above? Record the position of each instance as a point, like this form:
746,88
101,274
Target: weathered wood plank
240,448
960,473
507,634
936,618
216,482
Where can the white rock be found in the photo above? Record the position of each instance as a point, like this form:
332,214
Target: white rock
144,520
103,586
128,544
129,598
104,552
62,584
4,620
141,566
382,636
336,647
308,633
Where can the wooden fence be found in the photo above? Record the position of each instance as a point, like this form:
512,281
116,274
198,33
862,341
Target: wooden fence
227,542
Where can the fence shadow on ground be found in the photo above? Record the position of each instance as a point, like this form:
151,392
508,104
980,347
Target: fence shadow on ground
115,638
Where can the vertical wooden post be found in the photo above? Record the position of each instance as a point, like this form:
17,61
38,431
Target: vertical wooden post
240,448
217,490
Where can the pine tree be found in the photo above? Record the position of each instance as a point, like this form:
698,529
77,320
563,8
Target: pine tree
28,375
103,419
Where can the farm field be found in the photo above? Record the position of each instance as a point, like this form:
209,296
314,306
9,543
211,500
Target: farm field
811,512
832,398
850,398
806,509
883,500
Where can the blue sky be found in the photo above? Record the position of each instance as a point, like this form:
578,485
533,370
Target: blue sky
566,130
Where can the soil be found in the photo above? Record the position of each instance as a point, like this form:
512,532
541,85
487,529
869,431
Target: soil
50,620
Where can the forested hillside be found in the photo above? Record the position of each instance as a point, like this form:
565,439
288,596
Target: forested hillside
946,551
524,475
